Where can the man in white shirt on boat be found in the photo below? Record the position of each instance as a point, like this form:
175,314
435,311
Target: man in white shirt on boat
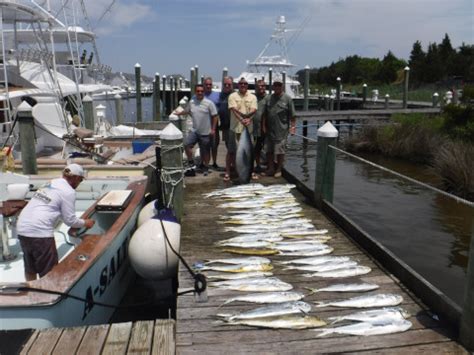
38,219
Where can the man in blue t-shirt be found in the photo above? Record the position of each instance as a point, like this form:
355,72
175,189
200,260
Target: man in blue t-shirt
215,140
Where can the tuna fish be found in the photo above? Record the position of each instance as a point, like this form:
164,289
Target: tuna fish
244,157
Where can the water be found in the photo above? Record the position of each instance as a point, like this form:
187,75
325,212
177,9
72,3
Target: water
428,231
129,109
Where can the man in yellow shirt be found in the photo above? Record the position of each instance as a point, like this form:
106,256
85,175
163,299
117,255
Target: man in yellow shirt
242,107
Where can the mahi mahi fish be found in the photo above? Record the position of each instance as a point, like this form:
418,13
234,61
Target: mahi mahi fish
267,297
238,267
316,260
250,251
262,284
283,322
329,266
369,328
239,275
378,300
360,287
254,260
373,315
273,310
346,272
267,237
244,157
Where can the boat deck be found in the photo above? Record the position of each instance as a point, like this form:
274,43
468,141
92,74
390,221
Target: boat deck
198,332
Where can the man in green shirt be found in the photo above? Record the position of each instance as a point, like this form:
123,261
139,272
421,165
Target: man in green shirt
278,120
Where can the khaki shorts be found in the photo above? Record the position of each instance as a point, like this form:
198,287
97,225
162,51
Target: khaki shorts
275,147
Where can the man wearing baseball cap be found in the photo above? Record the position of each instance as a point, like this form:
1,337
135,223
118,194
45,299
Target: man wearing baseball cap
36,222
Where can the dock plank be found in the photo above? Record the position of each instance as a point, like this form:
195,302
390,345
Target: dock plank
117,339
198,332
141,338
45,341
93,339
69,340
164,338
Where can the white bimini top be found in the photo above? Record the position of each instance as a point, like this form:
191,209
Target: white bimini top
54,200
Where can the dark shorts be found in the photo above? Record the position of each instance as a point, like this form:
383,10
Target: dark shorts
259,143
275,147
39,254
204,141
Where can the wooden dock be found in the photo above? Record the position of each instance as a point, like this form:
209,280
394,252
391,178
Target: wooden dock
198,332
142,337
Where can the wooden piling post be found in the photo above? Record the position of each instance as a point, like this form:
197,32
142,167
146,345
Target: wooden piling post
191,79
118,109
172,103
26,125
466,329
326,102
283,79
138,89
165,103
406,77
270,80
156,98
172,168
176,102
196,73
387,100
364,95
331,103
325,164
306,99
225,72
87,105
435,99
338,94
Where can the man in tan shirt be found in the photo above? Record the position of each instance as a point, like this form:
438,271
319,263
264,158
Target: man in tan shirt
242,107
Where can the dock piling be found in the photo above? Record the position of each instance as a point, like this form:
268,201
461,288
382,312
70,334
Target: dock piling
306,99
138,89
364,95
87,105
325,164
172,173
406,72
26,124
435,99
164,110
338,94
270,80
118,109
387,100
156,98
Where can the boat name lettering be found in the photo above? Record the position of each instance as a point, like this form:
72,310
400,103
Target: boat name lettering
106,276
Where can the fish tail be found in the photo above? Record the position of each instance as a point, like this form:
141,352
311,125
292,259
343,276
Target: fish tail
311,290
226,302
334,320
321,304
323,332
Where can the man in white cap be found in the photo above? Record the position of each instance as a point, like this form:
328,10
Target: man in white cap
39,217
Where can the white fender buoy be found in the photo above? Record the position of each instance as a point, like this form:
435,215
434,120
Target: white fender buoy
149,251
17,191
147,212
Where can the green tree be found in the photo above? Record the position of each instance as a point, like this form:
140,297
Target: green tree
433,66
417,63
389,67
446,54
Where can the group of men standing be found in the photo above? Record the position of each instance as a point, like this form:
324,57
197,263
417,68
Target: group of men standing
268,118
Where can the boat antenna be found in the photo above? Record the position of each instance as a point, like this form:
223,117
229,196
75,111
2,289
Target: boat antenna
106,11
298,31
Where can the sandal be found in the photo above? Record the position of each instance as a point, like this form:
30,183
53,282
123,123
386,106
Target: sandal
226,177
255,176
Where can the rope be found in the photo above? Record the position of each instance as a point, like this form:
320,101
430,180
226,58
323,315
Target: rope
167,172
307,138
444,193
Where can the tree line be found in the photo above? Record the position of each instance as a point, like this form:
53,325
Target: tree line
441,64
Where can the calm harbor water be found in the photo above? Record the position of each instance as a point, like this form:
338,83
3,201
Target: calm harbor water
427,230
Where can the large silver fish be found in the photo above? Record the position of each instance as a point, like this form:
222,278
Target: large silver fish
346,272
329,266
368,328
316,260
262,284
267,237
254,260
274,310
309,252
238,267
244,157
267,297
377,300
239,275
360,287
289,321
373,315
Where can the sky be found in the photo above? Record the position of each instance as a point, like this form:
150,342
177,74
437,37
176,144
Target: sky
171,36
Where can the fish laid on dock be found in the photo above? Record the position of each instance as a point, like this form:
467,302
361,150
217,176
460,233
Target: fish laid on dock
267,297
368,328
378,300
262,284
316,260
239,275
304,232
360,287
238,267
329,266
251,251
309,252
373,315
254,260
270,311
283,322
339,273
248,244
269,237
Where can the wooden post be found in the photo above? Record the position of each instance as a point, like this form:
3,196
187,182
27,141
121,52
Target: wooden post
196,73
172,168
338,93
435,99
331,103
466,329
172,103
156,98
88,106
225,73
364,95
406,72
165,103
118,109
306,99
270,80
325,164
138,89
26,125
387,100
191,79
283,78
176,103
202,80
326,102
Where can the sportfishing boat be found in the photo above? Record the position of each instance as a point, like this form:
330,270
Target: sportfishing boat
93,272
278,62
